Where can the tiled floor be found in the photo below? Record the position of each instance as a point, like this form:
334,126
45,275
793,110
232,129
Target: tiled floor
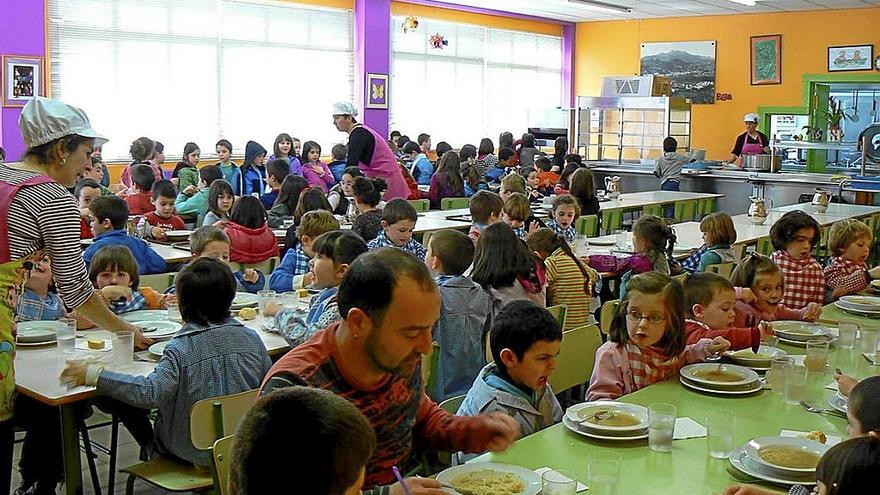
128,455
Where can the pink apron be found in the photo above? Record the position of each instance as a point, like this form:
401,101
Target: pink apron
384,165
13,275
752,148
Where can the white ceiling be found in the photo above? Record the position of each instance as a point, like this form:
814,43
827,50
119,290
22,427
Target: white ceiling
641,9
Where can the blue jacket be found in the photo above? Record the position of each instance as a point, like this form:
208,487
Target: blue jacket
422,169
148,260
252,178
337,167
288,275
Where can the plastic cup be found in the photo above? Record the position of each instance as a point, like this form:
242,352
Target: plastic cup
620,239
66,336
776,374
123,348
719,429
847,331
817,355
795,388
264,297
174,311
556,482
603,472
869,337
661,426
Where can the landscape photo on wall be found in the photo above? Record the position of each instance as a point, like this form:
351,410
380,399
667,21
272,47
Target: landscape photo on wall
689,65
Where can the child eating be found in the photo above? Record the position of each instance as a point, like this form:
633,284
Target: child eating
565,211
518,214
294,273
710,308
504,266
109,217
485,208
398,222
794,236
154,224
764,278
849,243
37,302
647,341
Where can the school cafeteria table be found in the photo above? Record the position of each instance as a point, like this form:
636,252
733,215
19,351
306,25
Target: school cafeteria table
633,201
834,210
833,315
171,254
688,468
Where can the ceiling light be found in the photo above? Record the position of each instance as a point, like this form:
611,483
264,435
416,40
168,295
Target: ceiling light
602,6
747,3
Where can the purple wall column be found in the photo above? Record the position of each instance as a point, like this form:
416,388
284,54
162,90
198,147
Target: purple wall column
372,53
568,33
22,32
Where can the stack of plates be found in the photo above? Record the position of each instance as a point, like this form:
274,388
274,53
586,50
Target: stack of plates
154,322
720,379
244,300
177,234
34,333
867,306
783,460
608,420
839,402
756,362
799,332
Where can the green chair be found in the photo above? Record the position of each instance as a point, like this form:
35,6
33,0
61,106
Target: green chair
429,369
606,314
420,204
558,312
685,210
612,220
158,281
723,269
764,246
656,210
705,206
587,225
222,456
454,203
577,355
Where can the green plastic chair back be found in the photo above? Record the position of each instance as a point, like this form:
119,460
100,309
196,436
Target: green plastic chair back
612,220
606,314
222,457
723,269
587,225
429,370
685,210
420,204
705,206
577,355
656,210
454,203
558,312
764,246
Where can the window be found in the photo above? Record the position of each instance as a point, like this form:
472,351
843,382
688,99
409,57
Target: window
202,69
482,83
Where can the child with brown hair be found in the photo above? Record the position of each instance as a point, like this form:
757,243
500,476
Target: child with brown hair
367,196
293,273
718,235
764,278
505,267
140,201
794,236
399,219
485,208
518,214
849,243
710,308
512,183
565,212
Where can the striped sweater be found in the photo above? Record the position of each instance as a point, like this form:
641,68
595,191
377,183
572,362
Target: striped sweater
567,285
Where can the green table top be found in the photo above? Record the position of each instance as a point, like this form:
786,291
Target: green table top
689,469
831,314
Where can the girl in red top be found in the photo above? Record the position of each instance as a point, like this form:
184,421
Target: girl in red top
250,239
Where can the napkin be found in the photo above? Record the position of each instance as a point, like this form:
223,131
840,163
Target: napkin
832,385
540,471
688,428
83,345
830,440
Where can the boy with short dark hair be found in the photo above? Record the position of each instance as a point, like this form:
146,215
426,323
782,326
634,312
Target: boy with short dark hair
464,314
485,208
668,167
340,440
86,191
399,219
109,216
709,301
339,152
142,178
518,214
153,225
276,171
209,340
506,161
524,341
421,167
194,199
547,178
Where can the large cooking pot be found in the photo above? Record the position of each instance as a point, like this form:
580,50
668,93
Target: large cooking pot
764,162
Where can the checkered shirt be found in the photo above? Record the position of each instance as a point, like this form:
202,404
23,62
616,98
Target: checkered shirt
32,307
568,233
846,273
804,280
693,262
413,246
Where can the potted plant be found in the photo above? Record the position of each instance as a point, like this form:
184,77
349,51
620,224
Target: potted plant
834,115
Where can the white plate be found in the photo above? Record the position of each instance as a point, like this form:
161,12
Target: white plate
37,332
839,403
858,312
639,412
747,358
751,389
754,446
145,315
743,463
875,284
799,330
574,427
530,478
864,303
748,376
178,233
244,300
598,241
158,348
163,328
803,343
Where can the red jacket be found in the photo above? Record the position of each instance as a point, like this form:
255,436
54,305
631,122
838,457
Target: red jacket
173,222
140,203
251,245
85,230
739,338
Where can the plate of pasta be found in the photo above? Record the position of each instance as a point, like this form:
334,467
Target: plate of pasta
490,478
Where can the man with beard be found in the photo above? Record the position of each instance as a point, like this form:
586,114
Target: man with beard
389,304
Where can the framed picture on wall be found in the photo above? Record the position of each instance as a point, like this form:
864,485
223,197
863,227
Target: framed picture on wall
851,57
22,79
377,91
766,59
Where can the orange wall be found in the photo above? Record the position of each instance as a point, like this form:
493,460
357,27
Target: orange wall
402,8
612,48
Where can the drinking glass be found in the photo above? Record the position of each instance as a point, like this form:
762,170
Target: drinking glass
720,425
621,240
265,297
776,374
661,418
817,355
603,472
869,337
174,311
847,331
66,336
123,348
795,388
556,482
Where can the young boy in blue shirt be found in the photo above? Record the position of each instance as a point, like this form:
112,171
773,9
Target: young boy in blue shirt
109,217
294,273
398,222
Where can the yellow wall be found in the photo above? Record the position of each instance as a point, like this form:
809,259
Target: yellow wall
402,8
612,48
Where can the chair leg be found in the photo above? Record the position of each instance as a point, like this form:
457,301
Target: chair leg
90,456
129,485
114,444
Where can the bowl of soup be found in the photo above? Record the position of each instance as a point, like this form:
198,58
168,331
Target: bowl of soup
609,417
760,359
719,375
799,330
786,454
863,303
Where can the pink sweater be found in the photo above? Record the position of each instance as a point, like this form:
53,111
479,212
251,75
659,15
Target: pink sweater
323,182
748,315
612,376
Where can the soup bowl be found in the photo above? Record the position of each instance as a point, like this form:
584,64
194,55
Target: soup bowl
719,375
800,330
864,303
598,417
746,357
790,455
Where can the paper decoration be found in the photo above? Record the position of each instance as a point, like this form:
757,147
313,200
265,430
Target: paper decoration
438,41
411,23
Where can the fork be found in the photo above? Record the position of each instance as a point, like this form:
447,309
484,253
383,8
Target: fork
818,410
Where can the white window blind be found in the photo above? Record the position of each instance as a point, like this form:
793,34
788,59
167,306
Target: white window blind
202,70
482,83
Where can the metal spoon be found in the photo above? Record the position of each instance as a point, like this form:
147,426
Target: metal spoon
818,410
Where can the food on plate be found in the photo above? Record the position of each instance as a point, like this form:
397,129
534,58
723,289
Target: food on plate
718,375
608,417
247,313
789,457
747,353
96,344
489,482
817,436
